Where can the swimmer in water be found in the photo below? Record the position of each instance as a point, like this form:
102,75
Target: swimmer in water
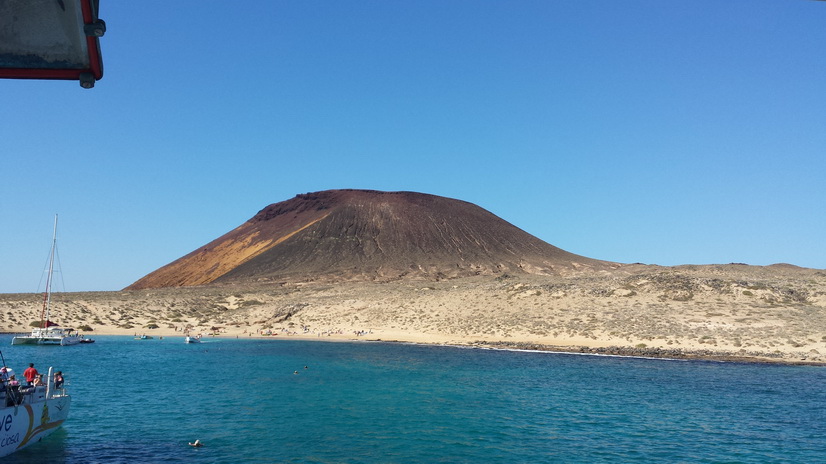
197,444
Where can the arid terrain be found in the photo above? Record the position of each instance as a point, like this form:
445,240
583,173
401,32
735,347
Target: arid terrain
366,235
773,313
406,266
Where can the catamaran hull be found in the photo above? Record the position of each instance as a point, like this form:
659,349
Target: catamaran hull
62,341
26,424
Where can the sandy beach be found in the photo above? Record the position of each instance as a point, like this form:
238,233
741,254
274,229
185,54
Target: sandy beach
728,312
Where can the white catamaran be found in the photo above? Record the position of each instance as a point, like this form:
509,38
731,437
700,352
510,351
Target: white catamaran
49,333
28,414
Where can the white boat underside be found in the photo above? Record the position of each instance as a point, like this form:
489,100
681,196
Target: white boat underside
48,336
29,340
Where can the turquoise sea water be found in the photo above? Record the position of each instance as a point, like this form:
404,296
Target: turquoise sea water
143,401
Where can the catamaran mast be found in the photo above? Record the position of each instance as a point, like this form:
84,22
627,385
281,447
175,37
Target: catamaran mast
47,296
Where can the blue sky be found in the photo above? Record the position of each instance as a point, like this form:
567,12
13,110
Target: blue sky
663,132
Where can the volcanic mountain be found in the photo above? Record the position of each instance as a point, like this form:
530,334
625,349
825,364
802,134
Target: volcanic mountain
342,235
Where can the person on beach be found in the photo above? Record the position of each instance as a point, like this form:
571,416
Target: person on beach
30,374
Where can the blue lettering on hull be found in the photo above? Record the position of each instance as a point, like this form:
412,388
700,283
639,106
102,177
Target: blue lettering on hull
5,422
10,440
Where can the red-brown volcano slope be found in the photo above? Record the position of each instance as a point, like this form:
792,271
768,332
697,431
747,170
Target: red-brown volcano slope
367,235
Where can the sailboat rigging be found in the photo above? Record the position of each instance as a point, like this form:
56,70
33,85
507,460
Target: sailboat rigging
49,333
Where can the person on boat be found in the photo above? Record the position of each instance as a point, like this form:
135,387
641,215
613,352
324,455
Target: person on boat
30,374
58,379
4,374
13,396
38,381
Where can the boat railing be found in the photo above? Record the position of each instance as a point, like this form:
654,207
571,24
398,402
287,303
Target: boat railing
15,395
52,390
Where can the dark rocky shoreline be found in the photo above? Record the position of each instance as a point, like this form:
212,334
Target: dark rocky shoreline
741,356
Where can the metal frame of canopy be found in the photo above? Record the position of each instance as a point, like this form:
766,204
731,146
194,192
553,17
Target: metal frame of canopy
51,39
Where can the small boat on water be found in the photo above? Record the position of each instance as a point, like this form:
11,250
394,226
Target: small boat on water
144,337
49,333
29,414
193,339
